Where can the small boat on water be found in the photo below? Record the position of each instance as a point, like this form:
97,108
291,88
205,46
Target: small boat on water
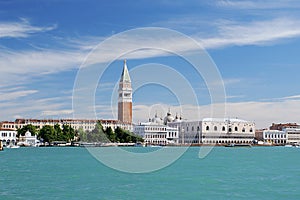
238,145
292,145
12,146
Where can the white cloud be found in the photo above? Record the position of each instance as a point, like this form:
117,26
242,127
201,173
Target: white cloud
6,96
295,97
218,33
267,4
20,67
54,107
232,33
59,113
21,29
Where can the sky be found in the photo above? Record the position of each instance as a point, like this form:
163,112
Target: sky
254,46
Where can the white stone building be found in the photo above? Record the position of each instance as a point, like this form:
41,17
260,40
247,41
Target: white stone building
8,136
155,132
189,131
28,140
215,131
228,130
293,135
274,137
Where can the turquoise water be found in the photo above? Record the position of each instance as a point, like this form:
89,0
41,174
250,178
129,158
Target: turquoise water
226,173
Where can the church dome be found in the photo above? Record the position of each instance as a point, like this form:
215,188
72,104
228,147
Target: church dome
168,118
177,119
157,120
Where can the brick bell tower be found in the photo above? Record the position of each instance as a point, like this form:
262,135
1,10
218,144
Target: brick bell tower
125,97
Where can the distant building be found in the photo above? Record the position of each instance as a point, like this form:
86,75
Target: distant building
8,125
274,137
155,132
280,126
286,133
8,136
28,140
125,97
259,134
86,125
228,130
189,131
293,135
215,131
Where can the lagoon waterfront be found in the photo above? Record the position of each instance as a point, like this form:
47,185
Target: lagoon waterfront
226,173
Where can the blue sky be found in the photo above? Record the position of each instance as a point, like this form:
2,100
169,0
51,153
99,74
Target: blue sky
254,44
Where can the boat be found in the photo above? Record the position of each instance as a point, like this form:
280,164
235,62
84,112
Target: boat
292,145
12,146
238,145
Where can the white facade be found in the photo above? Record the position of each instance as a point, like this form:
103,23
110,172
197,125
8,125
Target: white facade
274,137
155,132
8,136
189,131
28,140
293,135
228,130
215,131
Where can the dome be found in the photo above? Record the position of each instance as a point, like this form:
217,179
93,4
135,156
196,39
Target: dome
177,119
168,118
157,120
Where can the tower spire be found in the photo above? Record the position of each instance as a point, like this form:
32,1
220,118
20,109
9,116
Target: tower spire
125,96
125,74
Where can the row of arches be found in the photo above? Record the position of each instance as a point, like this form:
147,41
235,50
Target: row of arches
236,129
227,141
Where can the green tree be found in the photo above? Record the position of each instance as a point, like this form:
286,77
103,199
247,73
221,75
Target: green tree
82,135
47,133
126,136
110,134
68,133
58,133
119,134
32,129
98,134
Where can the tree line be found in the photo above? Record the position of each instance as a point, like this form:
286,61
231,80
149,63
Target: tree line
49,133
108,135
67,133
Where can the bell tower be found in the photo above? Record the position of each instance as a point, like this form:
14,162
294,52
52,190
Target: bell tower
125,97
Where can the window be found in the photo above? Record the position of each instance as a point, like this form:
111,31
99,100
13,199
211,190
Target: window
236,128
251,130
207,128
243,130
215,128
223,128
229,130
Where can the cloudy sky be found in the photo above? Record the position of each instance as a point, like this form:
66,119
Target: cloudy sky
254,45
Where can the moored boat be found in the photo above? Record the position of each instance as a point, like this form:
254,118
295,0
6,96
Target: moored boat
238,145
12,146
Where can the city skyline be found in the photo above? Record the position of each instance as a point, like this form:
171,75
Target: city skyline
253,44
